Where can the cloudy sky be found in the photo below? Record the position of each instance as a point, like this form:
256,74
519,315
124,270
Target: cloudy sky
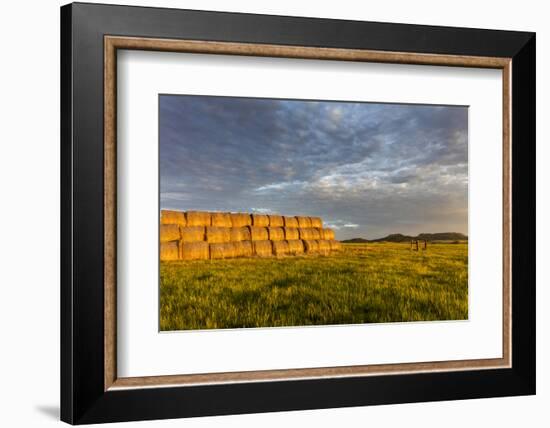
367,169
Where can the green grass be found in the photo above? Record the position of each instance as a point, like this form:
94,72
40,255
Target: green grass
371,283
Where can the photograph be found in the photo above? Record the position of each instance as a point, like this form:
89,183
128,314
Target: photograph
288,212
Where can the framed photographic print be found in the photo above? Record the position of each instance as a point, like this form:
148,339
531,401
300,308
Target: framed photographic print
266,213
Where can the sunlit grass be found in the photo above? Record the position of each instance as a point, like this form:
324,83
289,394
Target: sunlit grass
378,282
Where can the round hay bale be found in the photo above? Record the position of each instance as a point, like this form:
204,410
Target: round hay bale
295,246
311,246
291,233
314,233
290,221
240,219
194,251
216,235
192,234
237,248
260,220
316,222
276,233
276,221
169,251
258,233
324,247
335,245
280,248
198,218
303,221
263,248
327,234
245,233
221,219
224,250
243,249
305,233
169,232
173,217
237,234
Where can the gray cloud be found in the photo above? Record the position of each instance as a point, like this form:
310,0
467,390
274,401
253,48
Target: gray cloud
368,169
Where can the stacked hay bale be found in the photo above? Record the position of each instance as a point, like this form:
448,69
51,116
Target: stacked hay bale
201,235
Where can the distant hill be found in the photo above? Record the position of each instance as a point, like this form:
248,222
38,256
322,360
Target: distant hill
398,237
356,241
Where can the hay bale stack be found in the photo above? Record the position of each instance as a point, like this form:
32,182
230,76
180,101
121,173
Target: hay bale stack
240,234
198,218
221,220
276,233
335,245
224,250
218,235
311,246
263,248
303,222
258,233
291,233
260,220
324,247
200,235
194,251
173,217
192,234
240,219
290,221
327,234
316,222
169,251
295,246
169,232
243,249
280,248
276,221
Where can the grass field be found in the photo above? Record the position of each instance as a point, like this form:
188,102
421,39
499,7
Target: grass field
378,282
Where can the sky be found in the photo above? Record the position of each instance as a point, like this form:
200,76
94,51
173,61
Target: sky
367,169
